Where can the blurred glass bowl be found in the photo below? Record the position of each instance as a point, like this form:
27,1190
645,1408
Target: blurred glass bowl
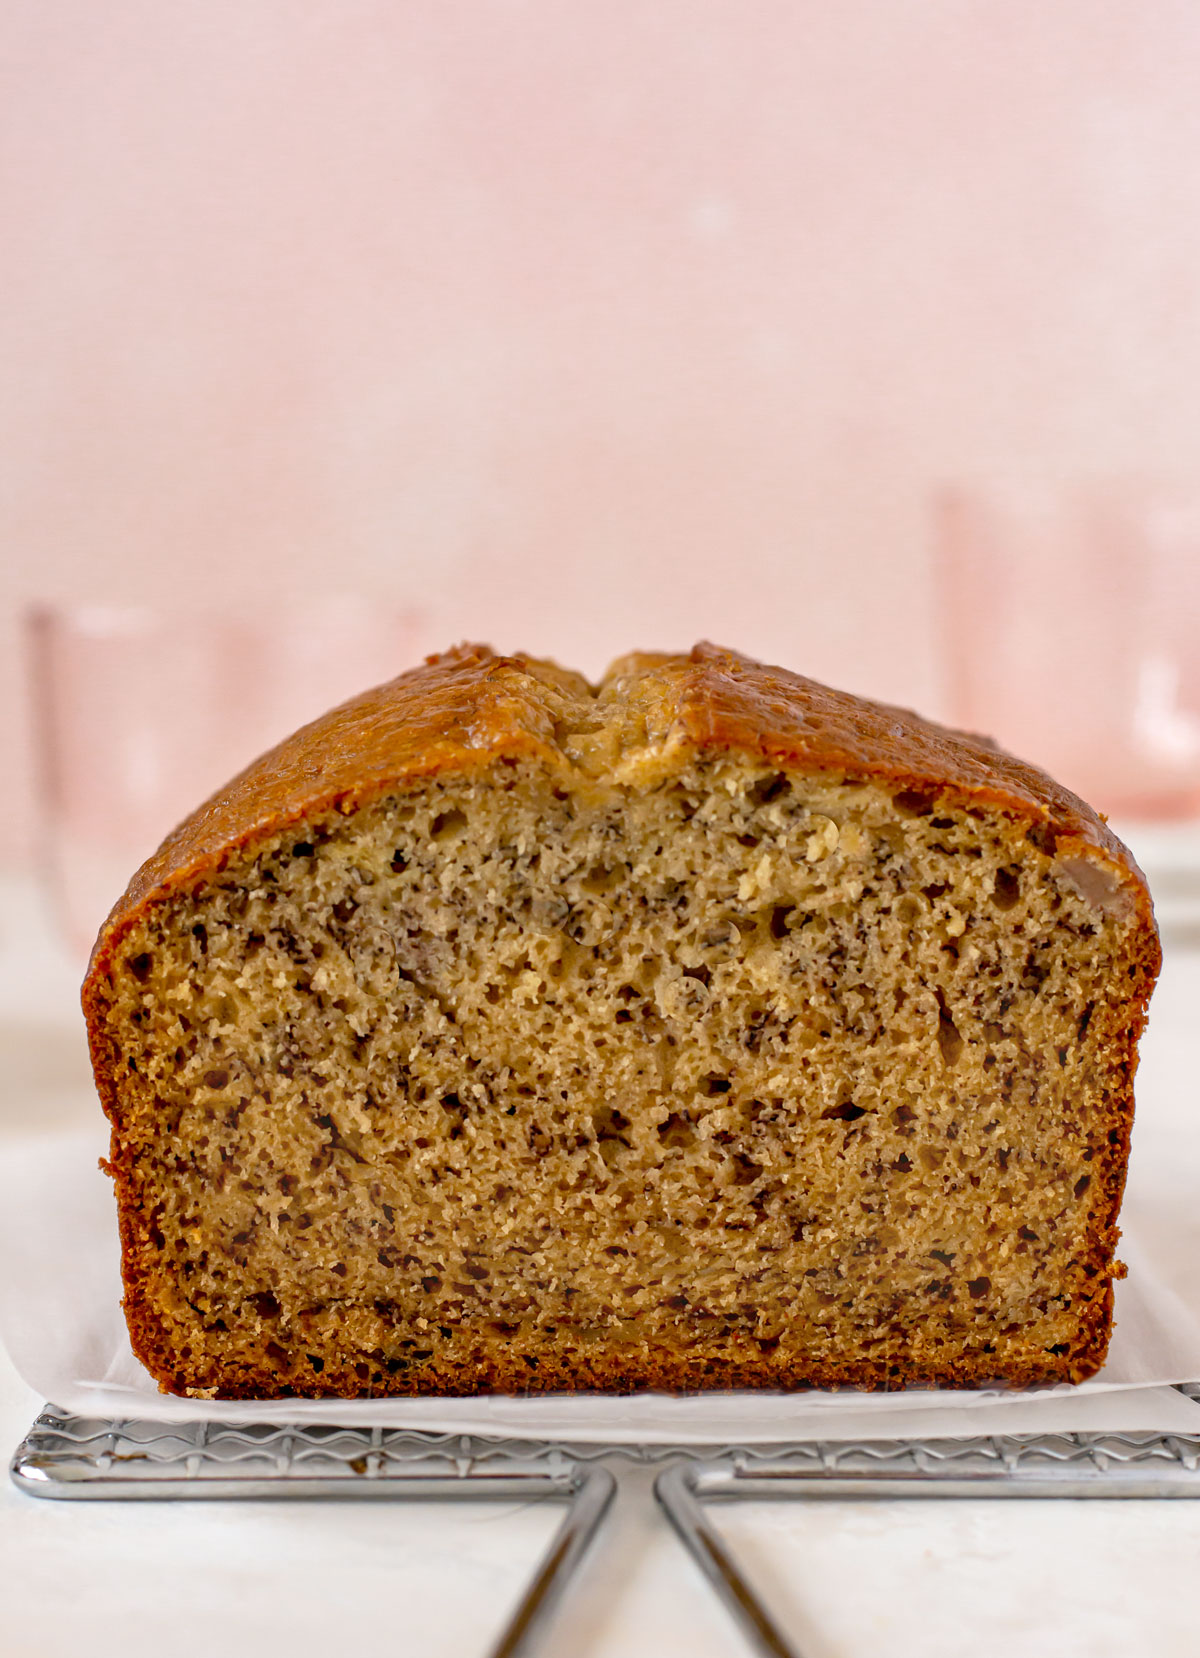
141,714
1071,634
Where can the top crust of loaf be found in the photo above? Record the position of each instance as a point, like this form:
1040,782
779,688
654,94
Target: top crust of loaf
651,713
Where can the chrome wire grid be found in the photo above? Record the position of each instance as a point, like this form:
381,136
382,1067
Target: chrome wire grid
73,1457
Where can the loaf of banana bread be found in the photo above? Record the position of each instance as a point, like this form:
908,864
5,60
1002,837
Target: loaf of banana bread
705,1028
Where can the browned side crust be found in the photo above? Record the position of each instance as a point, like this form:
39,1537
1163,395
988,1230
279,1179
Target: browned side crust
470,709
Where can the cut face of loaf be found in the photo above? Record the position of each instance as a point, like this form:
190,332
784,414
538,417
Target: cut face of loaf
628,1054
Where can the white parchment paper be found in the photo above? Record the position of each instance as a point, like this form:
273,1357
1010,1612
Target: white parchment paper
61,1321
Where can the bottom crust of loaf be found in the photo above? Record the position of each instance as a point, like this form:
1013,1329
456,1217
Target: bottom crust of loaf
511,1370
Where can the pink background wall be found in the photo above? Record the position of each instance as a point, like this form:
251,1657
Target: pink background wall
577,326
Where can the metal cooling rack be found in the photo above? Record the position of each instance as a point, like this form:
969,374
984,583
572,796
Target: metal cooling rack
66,1456
1041,1465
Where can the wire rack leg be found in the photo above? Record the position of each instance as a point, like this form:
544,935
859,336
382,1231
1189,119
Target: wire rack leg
676,1495
594,1491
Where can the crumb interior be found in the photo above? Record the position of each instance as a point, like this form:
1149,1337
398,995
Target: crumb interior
502,1080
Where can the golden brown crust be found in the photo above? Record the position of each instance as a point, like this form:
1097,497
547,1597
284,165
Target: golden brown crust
472,708
466,708
733,703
